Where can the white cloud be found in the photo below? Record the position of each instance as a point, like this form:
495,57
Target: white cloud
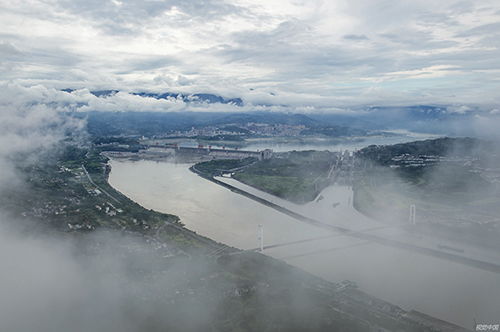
426,51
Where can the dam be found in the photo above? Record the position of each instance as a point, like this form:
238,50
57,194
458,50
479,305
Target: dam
200,152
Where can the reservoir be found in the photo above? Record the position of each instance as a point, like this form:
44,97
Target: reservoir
443,289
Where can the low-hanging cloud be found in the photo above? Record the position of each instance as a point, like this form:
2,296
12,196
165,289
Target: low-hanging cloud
105,280
49,281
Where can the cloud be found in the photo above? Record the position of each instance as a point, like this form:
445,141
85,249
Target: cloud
107,280
50,282
293,48
30,123
462,109
356,37
120,284
7,50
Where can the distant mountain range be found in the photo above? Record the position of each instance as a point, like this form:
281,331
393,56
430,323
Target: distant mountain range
153,123
196,97
439,119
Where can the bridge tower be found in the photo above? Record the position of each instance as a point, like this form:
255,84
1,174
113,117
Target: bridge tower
412,218
260,237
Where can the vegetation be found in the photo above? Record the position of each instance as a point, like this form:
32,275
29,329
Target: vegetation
60,195
116,143
333,131
180,275
446,146
115,139
297,176
217,167
292,188
235,138
443,178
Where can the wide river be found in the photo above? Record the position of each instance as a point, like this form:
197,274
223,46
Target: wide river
447,290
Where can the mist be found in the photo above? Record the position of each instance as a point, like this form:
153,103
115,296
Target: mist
455,292
54,281
112,280
109,222
117,280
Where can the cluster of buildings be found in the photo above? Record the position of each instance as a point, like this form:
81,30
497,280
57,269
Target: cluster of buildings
475,164
274,129
250,128
203,131
409,160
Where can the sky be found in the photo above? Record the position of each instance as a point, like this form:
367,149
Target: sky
306,54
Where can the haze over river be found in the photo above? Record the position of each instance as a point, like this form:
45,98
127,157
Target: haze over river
447,290
280,144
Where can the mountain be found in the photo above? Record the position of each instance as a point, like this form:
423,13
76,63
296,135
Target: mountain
268,118
438,119
196,97
154,123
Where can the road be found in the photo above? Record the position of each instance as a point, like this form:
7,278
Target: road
95,185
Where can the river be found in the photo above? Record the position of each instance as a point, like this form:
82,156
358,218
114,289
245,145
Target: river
447,290
280,144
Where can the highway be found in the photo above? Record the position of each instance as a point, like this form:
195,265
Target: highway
95,185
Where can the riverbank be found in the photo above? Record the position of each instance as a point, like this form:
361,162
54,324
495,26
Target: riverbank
172,278
297,176
409,280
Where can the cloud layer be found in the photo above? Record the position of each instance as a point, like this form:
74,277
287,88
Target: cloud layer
305,52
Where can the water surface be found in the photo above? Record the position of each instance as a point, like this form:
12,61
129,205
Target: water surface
447,290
